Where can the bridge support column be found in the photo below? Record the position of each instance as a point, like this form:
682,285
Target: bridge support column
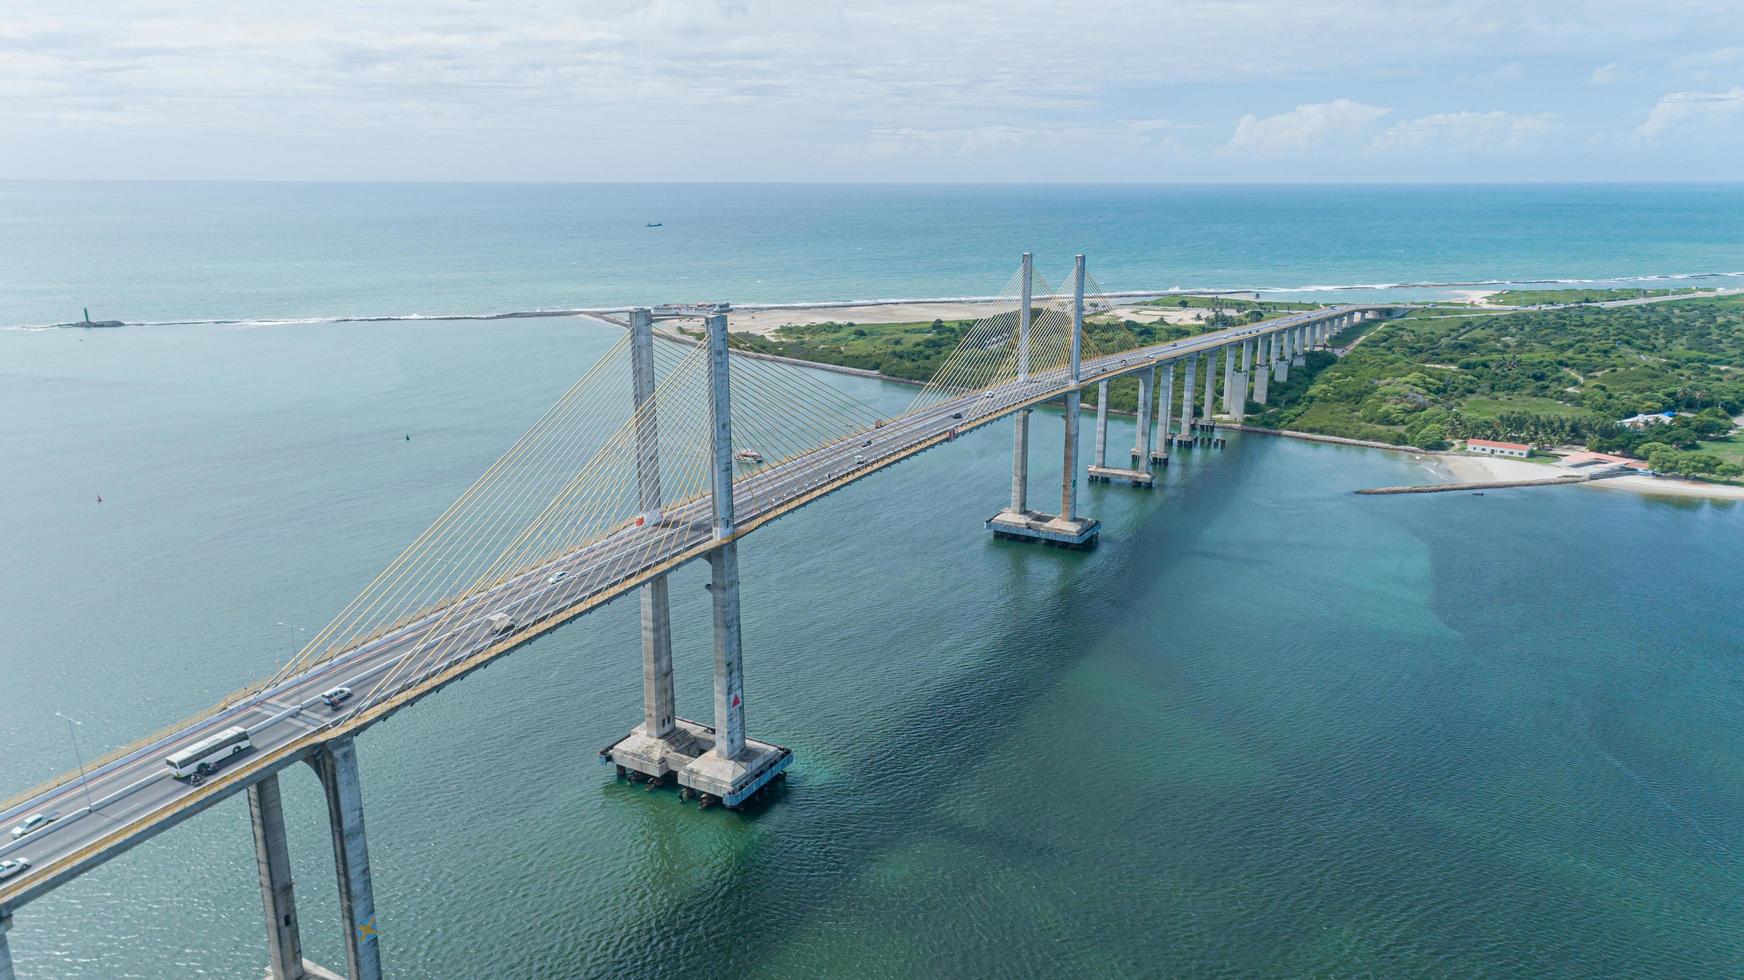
1297,357
6,972
1210,386
1186,436
1262,370
1100,471
1165,400
1141,447
734,767
336,763
1068,530
1229,374
1020,463
1102,423
284,939
1238,401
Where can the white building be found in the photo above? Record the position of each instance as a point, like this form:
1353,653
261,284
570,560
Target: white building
1492,448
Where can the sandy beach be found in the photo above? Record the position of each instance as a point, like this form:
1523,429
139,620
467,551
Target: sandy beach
1475,469
766,321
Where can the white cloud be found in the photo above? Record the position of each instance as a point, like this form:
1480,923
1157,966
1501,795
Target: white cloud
1605,74
1709,64
1495,131
1690,111
1305,127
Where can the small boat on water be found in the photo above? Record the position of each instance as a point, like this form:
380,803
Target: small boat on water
748,456
654,224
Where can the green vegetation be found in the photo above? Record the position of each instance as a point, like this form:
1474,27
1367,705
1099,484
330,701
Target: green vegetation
914,351
1537,297
1547,377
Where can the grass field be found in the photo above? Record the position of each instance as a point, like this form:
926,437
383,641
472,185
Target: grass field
1730,449
1492,406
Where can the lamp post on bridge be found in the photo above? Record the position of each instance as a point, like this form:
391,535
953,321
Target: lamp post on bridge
73,726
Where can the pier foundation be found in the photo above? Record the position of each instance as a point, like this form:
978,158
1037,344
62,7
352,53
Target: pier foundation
1067,529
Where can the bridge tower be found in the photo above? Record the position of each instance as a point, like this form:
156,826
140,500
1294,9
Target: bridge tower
1018,522
716,763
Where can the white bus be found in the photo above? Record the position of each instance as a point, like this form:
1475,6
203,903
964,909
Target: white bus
205,755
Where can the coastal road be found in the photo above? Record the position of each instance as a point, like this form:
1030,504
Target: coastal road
133,797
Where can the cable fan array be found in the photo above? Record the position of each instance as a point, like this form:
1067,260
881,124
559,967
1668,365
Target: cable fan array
600,490
565,503
991,353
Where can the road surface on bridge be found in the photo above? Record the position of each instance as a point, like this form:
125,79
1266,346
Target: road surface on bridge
134,797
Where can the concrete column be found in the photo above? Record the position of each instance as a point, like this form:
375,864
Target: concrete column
1069,479
658,708
1187,397
1023,317
284,941
1262,370
729,670
1210,384
658,705
1141,448
1101,423
1229,351
6,972
647,430
1020,463
336,763
1165,400
721,410
1297,358
1281,356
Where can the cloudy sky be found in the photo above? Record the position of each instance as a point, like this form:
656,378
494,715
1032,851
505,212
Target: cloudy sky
1013,90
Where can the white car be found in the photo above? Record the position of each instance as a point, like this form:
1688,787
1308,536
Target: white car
859,459
34,823
336,697
556,577
12,867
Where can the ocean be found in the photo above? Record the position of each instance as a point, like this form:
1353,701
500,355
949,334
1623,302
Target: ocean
1266,728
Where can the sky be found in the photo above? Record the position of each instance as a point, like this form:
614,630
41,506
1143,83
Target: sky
892,90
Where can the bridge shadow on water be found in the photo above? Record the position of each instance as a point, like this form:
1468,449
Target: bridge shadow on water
893,790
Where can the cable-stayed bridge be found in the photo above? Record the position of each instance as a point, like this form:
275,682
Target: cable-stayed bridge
670,449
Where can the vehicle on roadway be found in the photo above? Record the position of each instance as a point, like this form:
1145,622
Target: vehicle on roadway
500,622
13,866
557,577
34,823
196,761
956,415
336,697
859,459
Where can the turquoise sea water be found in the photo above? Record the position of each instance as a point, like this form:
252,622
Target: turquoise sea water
140,252
1267,728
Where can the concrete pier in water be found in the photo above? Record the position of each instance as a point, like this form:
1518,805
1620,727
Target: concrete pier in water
1066,529
718,763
